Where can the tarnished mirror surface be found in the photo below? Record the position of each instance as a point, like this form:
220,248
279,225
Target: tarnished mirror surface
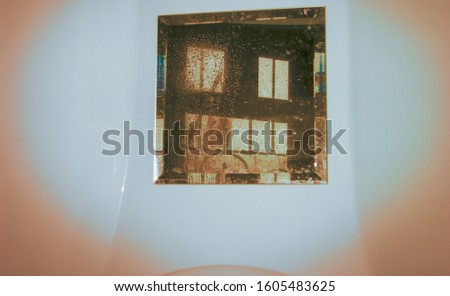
241,98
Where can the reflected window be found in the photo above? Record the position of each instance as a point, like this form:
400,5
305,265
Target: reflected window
281,137
205,69
267,178
283,178
159,134
259,126
273,79
239,125
161,79
195,178
278,140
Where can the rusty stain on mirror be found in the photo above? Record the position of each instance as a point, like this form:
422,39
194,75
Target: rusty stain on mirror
241,98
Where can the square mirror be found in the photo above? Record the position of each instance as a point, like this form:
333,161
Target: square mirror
241,98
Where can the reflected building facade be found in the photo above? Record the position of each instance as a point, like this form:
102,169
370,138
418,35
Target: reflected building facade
241,88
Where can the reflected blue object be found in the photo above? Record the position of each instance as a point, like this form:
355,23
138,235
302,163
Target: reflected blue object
161,75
